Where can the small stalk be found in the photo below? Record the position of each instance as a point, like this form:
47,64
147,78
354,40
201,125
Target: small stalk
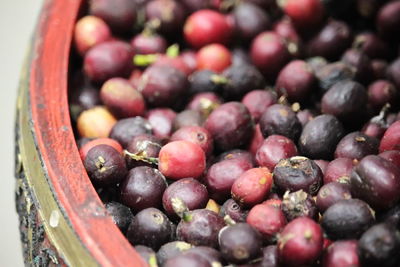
173,51
219,79
140,157
181,209
144,60
229,221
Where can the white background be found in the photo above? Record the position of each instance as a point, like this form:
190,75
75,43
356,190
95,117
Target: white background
17,20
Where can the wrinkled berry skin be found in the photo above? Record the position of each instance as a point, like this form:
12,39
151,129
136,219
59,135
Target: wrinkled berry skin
105,165
332,73
356,146
282,120
346,100
347,219
120,214
299,204
300,242
233,209
230,125
379,246
341,254
201,228
320,136
239,243
298,173
377,181
151,228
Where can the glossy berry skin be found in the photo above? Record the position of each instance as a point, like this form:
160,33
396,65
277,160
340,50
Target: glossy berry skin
377,181
299,204
296,81
104,141
233,209
392,156
105,165
205,81
360,63
126,129
236,154
331,41
371,44
206,27
121,215
143,188
239,243
201,228
181,159
230,125
144,146
332,73
320,136
188,118
346,100
107,60
221,176
146,253
252,186
257,101
347,219
341,254
90,31
381,92
388,20
161,121
339,170
298,173
197,135
256,141
120,15
190,191
170,14
171,250
122,99
273,149
172,61
331,193
391,138
241,79
214,57
304,13
269,54
379,246
268,220
300,242
162,85
151,228
356,146
270,256
212,255
393,72
280,120
250,20
183,260
306,115
144,44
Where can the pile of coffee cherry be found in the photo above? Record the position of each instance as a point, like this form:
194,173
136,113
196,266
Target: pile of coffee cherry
243,132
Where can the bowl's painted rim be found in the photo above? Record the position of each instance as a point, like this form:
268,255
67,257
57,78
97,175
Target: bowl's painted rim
53,138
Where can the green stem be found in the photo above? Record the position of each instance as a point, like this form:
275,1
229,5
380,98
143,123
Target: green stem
139,157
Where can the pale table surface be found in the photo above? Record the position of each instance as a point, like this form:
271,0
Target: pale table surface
17,20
